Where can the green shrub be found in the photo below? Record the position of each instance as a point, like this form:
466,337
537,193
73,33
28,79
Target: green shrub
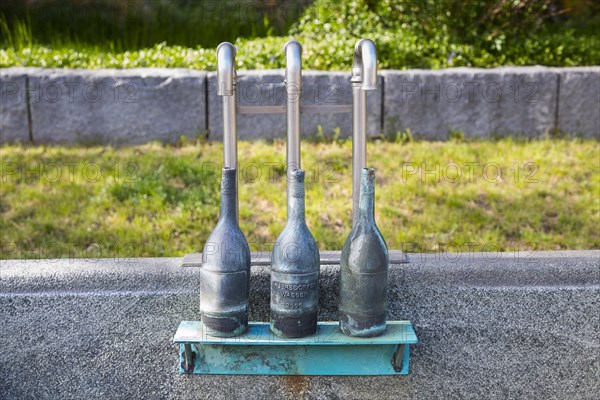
408,34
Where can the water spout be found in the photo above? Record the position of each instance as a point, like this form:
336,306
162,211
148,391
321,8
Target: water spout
226,85
226,75
364,77
293,88
364,68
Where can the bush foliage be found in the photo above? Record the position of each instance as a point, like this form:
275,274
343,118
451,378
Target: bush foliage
408,34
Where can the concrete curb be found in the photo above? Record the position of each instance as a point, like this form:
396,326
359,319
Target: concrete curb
477,102
122,107
116,107
579,100
490,325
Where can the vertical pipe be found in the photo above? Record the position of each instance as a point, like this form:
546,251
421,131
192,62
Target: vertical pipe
359,145
293,88
229,132
226,88
364,77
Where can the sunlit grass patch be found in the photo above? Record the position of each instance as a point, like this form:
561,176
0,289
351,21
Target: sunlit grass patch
154,200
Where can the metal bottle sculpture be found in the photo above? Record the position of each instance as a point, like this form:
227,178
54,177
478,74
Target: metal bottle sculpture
225,272
364,269
295,270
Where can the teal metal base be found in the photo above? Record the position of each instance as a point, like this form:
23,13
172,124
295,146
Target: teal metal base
328,352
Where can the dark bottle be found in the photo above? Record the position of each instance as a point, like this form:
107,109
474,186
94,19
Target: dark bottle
225,272
364,269
295,270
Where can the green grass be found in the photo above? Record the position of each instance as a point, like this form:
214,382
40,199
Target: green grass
153,200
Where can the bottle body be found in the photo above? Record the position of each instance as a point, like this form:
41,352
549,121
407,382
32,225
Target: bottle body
295,271
364,265
225,271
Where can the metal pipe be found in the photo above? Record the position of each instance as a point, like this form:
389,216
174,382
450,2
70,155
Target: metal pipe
359,145
293,88
226,83
226,88
364,77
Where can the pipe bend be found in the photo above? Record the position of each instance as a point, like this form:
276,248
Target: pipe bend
364,68
293,67
226,74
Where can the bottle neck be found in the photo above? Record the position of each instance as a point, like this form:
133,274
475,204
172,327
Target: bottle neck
296,196
296,208
366,204
228,194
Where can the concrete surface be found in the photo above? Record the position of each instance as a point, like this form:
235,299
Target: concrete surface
500,102
139,105
491,326
14,119
579,101
116,106
265,88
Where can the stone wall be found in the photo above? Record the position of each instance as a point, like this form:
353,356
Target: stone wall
132,106
476,102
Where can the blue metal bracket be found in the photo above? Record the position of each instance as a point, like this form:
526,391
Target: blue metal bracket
328,352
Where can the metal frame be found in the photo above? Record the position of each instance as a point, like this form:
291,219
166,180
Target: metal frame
364,78
328,352
304,109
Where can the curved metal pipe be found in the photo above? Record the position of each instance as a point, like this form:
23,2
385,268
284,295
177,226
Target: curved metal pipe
226,86
364,68
226,75
364,77
293,88
226,83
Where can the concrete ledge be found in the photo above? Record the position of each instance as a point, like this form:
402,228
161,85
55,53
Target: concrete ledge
478,102
139,105
14,118
116,106
579,101
494,326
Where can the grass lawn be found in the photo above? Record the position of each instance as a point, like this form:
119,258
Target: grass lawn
155,200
